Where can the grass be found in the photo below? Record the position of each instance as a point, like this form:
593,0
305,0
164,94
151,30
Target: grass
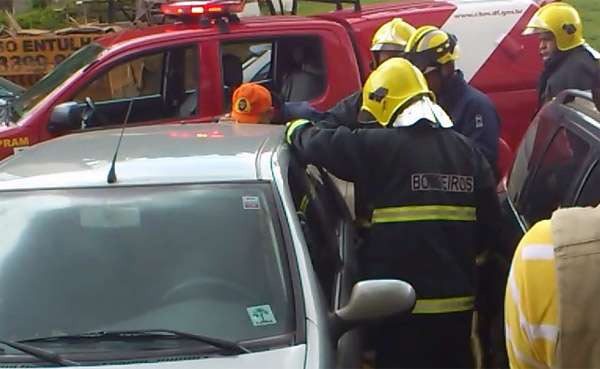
589,10
590,14
310,8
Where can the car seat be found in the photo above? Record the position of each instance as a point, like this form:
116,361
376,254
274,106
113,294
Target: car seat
305,80
232,78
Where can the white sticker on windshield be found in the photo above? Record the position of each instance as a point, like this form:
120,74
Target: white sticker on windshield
261,315
250,203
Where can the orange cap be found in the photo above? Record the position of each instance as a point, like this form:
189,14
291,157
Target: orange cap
250,101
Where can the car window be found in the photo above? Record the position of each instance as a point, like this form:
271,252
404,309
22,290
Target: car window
191,66
555,175
138,77
159,85
144,257
242,62
291,67
590,193
521,165
78,60
300,70
321,222
533,145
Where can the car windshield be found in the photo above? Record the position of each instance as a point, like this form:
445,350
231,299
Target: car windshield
204,259
56,77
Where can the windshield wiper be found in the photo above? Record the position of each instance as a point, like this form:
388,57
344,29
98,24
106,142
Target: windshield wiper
233,347
39,353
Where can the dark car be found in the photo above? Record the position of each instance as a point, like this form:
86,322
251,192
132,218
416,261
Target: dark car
9,89
557,164
9,92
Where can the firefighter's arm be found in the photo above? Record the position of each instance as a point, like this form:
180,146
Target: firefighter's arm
526,305
344,113
489,214
482,126
300,110
333,149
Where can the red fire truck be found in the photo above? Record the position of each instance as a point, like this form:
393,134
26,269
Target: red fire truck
187,70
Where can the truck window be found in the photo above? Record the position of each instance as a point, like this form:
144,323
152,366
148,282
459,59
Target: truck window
557,172
161,85
290,67
300,69
590,196
243,62
135,78
79,59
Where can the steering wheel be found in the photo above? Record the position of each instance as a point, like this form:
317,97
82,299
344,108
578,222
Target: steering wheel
214,286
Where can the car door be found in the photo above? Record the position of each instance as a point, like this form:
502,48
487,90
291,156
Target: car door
332,243
589,195
149,86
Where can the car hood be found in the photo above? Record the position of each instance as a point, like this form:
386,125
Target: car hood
289,358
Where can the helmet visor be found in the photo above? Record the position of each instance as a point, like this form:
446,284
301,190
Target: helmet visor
536,25
388,47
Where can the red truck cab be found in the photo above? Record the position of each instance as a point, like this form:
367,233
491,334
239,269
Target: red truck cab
188,70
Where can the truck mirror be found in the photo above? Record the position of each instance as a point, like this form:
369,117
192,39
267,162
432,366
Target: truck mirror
65,117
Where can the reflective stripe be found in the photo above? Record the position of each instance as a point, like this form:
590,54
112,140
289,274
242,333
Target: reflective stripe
523,358
537,252
291,127
533,332
304,204
449,305
425,212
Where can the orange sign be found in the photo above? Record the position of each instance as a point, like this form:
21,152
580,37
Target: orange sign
38,55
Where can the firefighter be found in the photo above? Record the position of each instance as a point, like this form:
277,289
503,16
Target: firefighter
554,326
473,113
435,206
568,61
388,41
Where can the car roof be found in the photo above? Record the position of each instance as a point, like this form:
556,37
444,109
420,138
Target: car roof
388,9
159,154
179,30
587,113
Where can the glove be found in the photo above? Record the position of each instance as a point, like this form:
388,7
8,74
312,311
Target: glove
277,100
294,126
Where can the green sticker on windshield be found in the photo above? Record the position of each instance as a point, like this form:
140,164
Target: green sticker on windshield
261,315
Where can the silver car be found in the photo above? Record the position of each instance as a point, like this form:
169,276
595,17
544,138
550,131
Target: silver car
198,246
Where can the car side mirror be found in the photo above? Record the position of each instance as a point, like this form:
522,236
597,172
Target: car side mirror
371,300
65,117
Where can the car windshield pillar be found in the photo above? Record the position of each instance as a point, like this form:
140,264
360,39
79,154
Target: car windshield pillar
56,77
